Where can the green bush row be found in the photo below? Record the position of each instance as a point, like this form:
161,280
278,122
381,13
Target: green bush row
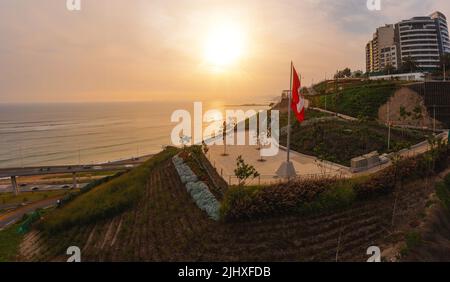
105,200
443,191
317,195
73,195
301,197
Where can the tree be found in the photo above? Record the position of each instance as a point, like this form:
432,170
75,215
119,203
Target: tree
437,145
409,64
263,141
304,90
347,72
205,147
445,62
389,69
358,74
417,114
404,114
243,171
343,73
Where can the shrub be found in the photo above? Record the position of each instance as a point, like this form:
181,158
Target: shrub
443,191
339,195
198,190
243,170
339,141
304,196
91,185
447,180
379,184
184,171
413,240
384,182
204,199
311,196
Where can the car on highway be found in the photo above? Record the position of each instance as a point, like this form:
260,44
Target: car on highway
35,189
65,186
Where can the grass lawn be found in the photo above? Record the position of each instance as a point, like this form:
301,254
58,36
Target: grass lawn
339,141
9,243
10,198
362,99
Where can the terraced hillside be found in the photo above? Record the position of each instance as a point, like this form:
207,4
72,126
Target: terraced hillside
165,225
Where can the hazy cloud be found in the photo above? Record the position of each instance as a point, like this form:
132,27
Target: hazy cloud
153,50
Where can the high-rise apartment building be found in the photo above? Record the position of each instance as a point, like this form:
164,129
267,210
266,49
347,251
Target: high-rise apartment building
370,64
376,53
443,36
418,39
423,39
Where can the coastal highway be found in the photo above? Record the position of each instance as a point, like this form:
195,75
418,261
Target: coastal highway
15,215
30,171
39,187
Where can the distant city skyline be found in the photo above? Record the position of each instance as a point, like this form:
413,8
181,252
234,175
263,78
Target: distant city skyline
230,51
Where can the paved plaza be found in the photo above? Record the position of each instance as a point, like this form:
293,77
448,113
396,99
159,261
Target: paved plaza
305,166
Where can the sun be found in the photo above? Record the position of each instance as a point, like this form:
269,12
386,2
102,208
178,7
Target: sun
224,45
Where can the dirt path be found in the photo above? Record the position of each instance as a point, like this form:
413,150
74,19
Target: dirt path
345,117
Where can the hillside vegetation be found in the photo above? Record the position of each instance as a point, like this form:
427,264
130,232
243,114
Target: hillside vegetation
325,194
105,200
9,243
339,141
431,241
309,221
360,99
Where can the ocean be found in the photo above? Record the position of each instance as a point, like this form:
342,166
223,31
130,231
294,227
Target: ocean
86,133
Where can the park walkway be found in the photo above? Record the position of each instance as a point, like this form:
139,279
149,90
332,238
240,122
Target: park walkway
305,166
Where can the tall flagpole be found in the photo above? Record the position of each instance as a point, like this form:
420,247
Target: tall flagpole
287,169
289,119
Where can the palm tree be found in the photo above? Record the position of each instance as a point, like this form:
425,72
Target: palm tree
409,64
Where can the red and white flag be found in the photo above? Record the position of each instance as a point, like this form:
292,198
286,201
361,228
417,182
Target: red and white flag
298,101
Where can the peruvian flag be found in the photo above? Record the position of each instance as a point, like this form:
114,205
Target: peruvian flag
298,101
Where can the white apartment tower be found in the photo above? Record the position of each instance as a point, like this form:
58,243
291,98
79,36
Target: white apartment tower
418,39
423,39
443,36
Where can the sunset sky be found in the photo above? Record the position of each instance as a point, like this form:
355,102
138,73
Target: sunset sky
234,51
